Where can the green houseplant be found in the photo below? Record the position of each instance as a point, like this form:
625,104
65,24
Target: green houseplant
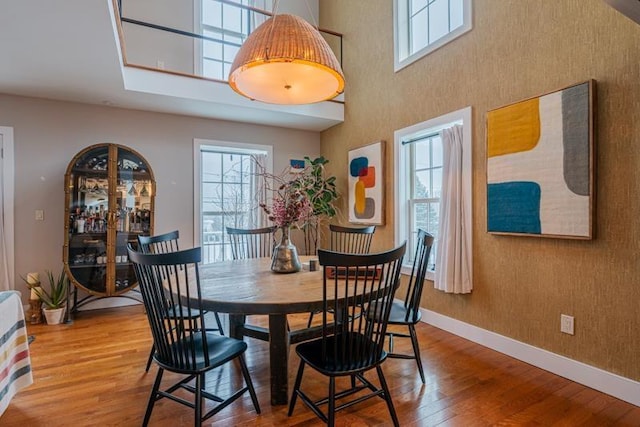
54,297
322,194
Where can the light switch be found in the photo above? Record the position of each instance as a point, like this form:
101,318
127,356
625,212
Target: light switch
39,215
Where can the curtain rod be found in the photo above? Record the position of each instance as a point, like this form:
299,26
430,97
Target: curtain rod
421,137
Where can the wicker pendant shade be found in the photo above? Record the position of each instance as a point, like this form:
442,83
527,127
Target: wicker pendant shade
286,61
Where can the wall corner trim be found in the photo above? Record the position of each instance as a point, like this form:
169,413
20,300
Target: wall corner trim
615,385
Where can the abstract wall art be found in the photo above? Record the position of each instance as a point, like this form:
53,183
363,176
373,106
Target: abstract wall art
366,184
540,165
296,165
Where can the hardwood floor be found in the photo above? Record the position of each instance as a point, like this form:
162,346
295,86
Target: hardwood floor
92,373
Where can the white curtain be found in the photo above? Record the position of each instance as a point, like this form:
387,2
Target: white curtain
5,283
453,257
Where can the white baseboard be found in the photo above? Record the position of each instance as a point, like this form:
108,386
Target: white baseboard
112,302
97,304
598,379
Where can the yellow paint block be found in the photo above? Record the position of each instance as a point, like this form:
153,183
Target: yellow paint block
359,197
514,128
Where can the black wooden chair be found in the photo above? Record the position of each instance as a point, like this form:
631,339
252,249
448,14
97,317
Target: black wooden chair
407,313
352,343
251,243
183,345
351,240
162,244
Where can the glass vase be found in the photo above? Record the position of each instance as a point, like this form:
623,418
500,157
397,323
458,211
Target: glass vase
285,255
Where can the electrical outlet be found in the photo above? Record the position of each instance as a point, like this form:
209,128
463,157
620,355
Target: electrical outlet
160,65
566,324
39,215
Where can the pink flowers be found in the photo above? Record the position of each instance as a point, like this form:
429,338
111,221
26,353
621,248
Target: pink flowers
290,206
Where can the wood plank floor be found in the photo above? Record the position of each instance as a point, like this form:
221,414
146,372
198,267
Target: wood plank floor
92,373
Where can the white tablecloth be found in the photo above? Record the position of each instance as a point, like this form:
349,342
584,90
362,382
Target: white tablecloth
15,363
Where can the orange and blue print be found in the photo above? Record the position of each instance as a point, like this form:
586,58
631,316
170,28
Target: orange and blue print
365,186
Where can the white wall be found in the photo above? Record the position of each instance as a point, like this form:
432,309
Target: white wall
307,9
47,134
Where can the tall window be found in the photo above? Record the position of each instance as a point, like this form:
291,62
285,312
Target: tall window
422,26
227,23
425,167
230,190
418,180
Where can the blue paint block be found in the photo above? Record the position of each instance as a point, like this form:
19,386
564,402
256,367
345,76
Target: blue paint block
358,166
513,207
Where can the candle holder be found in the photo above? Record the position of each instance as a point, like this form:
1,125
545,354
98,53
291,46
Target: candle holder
35,311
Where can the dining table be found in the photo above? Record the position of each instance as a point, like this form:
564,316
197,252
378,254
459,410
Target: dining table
249,287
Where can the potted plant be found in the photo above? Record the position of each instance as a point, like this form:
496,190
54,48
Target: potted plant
322,194
301,200
54,297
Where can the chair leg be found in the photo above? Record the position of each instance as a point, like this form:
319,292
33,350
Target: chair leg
152,398
217,316
150,359
247,380
416,350
387,396
331,410
310,319
198,401
296,387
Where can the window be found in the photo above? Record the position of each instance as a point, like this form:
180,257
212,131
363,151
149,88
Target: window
425,170
228,193
418,178
422,26
226,24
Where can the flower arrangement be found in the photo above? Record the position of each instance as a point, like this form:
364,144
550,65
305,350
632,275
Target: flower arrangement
290,206
299,200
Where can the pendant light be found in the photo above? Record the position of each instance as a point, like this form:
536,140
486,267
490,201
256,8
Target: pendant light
286,61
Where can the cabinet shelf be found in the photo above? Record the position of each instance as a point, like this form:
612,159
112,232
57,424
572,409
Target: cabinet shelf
74,266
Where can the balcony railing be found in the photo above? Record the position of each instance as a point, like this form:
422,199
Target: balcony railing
200,41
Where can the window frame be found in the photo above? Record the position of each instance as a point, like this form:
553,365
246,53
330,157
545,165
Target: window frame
219,146
403,178
198,48
401,34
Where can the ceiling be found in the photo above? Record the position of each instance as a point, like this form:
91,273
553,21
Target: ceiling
69,50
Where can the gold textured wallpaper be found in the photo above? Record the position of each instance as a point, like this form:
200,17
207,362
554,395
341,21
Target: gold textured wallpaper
517,49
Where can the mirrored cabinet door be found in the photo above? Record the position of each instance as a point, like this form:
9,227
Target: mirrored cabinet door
133,211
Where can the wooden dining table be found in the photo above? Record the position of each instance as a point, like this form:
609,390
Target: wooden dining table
247,287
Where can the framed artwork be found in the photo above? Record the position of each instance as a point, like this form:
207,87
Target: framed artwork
366,184
541,165
296,166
